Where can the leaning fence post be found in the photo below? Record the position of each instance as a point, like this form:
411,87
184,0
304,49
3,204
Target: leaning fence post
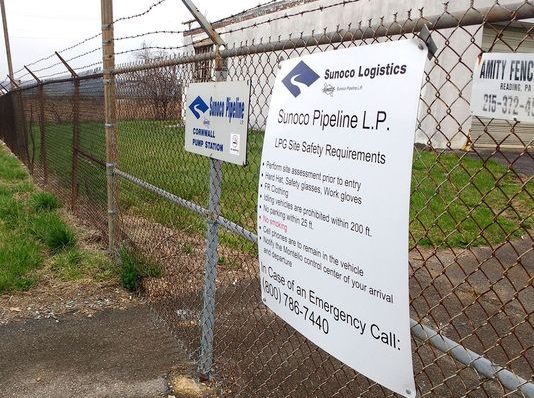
108,63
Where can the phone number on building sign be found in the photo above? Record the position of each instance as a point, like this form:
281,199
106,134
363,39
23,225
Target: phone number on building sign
294,306
508,104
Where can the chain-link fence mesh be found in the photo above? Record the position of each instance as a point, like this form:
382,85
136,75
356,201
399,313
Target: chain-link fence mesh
57,130
471,218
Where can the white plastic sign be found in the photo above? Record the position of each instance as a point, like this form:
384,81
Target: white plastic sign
217,120
503,85
333,203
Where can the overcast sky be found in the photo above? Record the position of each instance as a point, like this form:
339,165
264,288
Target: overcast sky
37,28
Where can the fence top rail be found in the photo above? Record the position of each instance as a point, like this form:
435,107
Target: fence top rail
470,17
56,81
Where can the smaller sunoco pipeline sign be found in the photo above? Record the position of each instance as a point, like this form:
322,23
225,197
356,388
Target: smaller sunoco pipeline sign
503,86
216,120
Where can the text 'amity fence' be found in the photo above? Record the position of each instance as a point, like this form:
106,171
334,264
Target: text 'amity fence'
111,145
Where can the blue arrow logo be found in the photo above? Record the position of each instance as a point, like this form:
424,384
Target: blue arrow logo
300,77
198,106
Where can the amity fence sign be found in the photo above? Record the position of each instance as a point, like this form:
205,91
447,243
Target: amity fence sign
333,203
217,120
503,86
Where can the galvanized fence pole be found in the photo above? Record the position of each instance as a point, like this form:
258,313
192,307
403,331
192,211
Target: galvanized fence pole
108,61
205,362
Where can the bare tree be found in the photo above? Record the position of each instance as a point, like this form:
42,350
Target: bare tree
160,87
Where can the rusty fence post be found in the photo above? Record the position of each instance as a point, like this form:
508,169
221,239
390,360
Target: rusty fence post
75,134
75,144
42,132
43,157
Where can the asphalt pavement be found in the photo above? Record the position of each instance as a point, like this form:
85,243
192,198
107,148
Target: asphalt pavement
115,353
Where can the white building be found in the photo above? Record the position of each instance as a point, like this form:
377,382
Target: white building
444,117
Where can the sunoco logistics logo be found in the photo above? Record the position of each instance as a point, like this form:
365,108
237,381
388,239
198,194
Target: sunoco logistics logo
198,106
300,77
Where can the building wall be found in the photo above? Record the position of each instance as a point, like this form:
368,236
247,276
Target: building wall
444,117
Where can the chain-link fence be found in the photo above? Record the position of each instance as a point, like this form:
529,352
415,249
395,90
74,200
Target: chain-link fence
191,220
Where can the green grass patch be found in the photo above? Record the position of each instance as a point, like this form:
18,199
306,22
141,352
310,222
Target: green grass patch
19,257
187,248
51,230
11,211
456,201
461,201
44,201
10,170
75,264
66,265
33,234
134,267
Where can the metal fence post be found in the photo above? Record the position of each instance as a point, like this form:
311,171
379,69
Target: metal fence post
108,61
75,133
42,125
205,362
75,144
42,133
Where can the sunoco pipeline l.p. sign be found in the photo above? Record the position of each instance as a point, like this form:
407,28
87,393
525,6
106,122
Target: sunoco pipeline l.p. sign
333,203
216,120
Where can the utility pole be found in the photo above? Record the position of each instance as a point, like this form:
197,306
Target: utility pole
6,39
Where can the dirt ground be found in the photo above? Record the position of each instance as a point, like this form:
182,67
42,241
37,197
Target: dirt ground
51,299
479,297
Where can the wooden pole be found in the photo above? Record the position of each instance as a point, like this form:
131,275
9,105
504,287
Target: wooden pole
108,60
13,82
6,39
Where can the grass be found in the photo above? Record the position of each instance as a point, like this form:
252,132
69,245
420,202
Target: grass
74,264
463,202
456,201
51,230
187,248
135,267
44,201
34,237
